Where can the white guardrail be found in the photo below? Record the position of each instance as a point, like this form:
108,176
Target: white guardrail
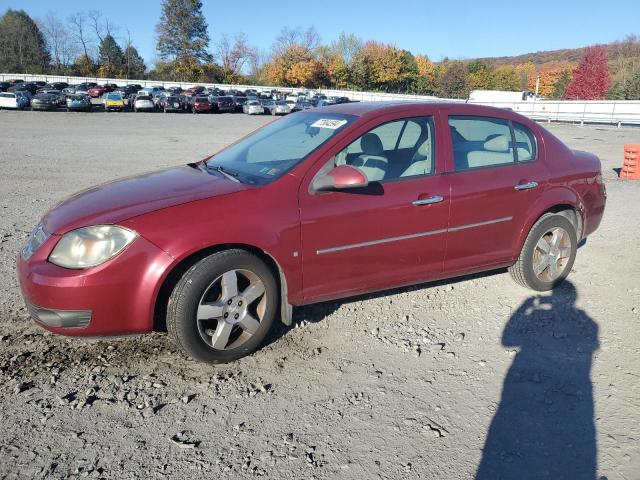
625,112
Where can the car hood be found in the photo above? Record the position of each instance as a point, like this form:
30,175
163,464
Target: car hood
120,200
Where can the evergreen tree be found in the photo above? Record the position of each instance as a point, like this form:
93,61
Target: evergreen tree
561,85
110,58
182,32
632,87
591,79
454,82
133,66
22,46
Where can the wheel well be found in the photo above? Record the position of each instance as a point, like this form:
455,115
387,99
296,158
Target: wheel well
571,214
160,308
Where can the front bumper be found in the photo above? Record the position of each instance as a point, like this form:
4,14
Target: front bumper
115,298
43,106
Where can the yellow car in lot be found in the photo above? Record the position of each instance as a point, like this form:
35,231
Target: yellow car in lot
113,101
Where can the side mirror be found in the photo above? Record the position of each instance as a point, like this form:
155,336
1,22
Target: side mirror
340,178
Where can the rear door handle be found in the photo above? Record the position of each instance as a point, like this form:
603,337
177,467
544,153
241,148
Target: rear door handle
526,186
428,200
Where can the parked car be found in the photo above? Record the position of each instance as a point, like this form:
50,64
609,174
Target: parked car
268,105
15,81
78,102
13,100
113,101
83,88
59,86
30,87
280,107
201,104
99,90
222,104
143,103
194,90
253,107
361,197
46,101
171,103
4,86
238,102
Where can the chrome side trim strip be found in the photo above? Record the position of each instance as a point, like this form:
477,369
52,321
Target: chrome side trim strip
378,242
480,224
408,237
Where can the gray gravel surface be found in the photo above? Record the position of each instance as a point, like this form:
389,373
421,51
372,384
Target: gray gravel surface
428,382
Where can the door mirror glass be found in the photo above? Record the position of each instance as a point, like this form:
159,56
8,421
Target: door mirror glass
340,178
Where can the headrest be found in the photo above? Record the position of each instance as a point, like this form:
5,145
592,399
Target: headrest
371,144
497,144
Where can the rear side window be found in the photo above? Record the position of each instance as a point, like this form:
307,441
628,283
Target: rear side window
480,142
525,143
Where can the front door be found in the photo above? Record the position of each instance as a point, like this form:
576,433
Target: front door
392,232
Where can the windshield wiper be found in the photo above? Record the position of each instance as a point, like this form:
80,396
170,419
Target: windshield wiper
230,174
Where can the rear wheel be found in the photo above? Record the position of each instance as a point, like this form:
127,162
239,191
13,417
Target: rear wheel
223,307
547,255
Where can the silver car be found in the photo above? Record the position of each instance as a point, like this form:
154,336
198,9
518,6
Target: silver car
253,107
280,108
143,103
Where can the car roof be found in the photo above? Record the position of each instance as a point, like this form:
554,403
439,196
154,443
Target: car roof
373,109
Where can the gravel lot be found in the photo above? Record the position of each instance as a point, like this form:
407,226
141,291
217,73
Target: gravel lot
410,383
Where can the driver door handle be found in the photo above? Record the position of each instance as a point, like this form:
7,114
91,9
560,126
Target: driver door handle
526,186
428,200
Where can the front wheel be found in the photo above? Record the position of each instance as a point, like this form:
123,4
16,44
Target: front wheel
547,255
223,307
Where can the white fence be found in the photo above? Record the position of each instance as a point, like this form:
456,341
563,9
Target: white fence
605,111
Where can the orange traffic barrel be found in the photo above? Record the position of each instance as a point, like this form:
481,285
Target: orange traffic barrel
631,166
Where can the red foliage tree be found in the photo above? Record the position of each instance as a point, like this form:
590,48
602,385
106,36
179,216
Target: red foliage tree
591,79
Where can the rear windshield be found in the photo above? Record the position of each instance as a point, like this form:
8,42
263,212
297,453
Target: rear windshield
276,148
114,96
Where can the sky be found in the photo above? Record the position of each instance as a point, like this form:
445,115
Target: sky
457,29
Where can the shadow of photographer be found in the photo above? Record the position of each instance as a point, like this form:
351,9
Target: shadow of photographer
544,426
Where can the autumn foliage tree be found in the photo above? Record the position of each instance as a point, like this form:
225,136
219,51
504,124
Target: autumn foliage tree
591,79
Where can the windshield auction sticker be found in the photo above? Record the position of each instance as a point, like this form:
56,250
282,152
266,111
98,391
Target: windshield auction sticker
328,123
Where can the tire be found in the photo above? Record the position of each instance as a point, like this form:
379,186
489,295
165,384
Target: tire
533,255
203,282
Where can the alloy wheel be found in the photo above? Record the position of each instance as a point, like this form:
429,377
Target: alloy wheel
551,254
231,309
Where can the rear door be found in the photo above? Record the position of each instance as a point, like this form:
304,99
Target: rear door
391,233
495,176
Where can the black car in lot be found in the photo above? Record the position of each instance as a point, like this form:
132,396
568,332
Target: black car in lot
45,101
222,104
171,103
54,86
238,101
30,87
4,86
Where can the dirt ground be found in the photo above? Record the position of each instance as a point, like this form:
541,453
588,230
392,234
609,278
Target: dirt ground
436,381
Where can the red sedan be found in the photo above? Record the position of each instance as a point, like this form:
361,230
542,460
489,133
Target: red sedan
319,205
99,90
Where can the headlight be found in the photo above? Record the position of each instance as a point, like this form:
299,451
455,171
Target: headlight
91,246
37,237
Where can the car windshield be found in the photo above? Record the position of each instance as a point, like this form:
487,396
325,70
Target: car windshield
275,149
114,96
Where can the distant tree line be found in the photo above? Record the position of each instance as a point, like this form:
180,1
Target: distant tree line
87,44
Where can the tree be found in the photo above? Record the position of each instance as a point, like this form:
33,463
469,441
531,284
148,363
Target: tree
182,33
234,56
59,42
133,66
84,66
110,58
453,82
632,87
505,78
561,85
22,46
427,76
479,75
78,22
591,79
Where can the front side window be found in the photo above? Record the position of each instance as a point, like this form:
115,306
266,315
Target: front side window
275,149
393,150
480,142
